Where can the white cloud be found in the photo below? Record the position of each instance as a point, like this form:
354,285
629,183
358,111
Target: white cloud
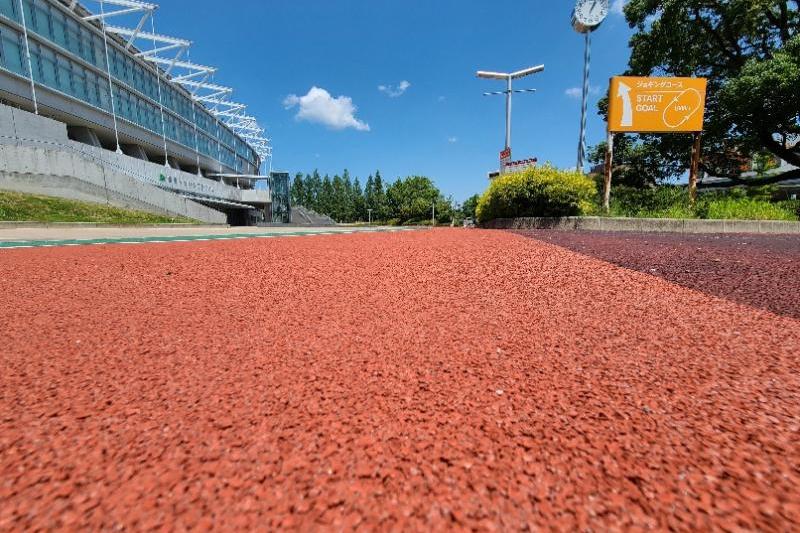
617,6
577,92
392,91
452,140
320,107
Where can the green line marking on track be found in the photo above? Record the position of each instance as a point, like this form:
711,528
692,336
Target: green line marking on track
179,238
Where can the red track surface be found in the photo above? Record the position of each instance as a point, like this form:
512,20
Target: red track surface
417,380
756,270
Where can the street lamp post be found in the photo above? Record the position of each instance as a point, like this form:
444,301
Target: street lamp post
508,77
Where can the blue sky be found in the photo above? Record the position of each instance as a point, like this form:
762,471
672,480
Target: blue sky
396,86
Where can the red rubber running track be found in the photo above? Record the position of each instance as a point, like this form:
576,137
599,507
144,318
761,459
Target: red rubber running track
415,380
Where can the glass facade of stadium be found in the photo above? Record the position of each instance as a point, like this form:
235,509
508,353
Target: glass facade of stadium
71,71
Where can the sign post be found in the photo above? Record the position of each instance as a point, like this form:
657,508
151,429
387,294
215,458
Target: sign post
693,168
607,174
655,105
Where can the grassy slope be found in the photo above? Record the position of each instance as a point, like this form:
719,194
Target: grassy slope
33,208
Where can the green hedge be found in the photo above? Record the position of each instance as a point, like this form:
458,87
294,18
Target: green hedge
537,192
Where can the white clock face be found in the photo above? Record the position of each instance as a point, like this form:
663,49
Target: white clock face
590,13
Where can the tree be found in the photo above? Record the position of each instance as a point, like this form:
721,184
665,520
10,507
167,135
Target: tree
412,200
325,201
338,207
750,52
350,201
298,190
359,205
469,205
445,210
369,193
636,163
379,199
313,191
343,199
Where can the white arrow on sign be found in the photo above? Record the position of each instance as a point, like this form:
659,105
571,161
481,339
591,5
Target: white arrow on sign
624,92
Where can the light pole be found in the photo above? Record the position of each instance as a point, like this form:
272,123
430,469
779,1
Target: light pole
369,215
508,77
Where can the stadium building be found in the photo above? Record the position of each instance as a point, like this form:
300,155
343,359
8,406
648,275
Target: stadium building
96,105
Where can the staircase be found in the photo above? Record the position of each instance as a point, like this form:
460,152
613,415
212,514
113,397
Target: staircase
302,216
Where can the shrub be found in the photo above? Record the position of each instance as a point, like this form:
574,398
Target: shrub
751,203
792,206
657,202
745,209
537,192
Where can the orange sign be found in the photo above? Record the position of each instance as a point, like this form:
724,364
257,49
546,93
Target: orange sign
656,105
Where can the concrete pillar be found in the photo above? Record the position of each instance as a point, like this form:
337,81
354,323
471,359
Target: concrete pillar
134,150
84,135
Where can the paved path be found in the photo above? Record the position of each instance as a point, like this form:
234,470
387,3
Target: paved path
43,236
416,380
756,270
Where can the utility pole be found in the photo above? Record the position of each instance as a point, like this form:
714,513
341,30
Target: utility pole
369,215
508,77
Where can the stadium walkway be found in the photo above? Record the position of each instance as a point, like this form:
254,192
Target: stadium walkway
23,236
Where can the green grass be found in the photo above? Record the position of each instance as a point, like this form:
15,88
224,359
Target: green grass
673,202
20,207
746,209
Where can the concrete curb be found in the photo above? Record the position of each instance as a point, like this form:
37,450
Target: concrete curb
647,225
28,224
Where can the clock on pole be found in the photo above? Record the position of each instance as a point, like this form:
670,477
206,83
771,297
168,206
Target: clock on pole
587,17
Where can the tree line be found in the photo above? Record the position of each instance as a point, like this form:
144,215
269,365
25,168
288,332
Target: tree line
404,201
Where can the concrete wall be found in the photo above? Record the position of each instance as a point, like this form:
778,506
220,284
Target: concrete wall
36,156
18,124
32,130
645,225
55,172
